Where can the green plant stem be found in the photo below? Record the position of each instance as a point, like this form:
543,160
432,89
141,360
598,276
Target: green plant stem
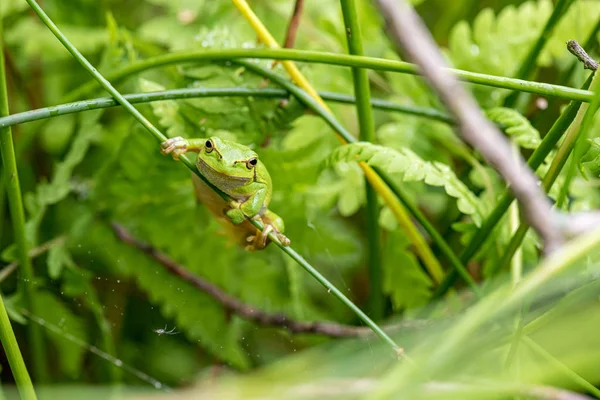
496,304
175,94
346,60
421,247
15,359
542,353
529,63
104,102
309,102
537,158
575,134
440,242
563,194
315,274
15,203
160,137
577,130
2,202
511,248
362,91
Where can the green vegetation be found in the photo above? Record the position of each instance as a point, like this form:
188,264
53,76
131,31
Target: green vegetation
112,274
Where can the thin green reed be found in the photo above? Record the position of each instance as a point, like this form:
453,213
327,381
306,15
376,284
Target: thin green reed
362,91
13,191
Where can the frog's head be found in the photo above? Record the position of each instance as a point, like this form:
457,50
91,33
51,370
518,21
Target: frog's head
222,160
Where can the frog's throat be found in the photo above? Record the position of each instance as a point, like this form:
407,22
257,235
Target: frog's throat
215,176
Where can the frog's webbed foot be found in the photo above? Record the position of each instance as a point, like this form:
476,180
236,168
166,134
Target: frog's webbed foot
175,146
283,239
259,241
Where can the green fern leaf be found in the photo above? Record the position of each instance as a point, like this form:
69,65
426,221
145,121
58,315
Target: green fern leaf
516,126
58,258
403,280
497,44
47,194
591,159
412,168
35,39
167,111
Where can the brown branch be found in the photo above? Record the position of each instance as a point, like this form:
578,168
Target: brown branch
292,30
410,33
578,51
247,311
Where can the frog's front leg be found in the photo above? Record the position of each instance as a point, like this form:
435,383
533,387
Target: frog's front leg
177,146
249,208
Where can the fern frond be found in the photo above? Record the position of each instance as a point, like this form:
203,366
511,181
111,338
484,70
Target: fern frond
412,168
516,126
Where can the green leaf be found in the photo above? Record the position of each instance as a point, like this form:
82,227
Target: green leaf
13,304
58,258
591,159
35,39
343,185
55,312
497,44
516,126
57,133
47,194
412,168
167,111
8,7
403,278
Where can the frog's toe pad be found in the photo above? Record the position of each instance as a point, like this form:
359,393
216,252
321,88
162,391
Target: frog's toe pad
283,239
175,146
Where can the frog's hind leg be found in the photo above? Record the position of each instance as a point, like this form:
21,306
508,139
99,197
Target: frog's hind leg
260,239
276,223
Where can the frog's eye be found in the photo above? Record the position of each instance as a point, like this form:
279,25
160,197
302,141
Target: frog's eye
251,163
209,146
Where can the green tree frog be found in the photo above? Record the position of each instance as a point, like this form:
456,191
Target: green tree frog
237,171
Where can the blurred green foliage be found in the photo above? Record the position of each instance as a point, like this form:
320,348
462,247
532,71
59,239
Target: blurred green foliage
81,171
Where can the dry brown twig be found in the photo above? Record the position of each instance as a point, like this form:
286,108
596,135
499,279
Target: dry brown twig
292,30
410,34
579,52
248,311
